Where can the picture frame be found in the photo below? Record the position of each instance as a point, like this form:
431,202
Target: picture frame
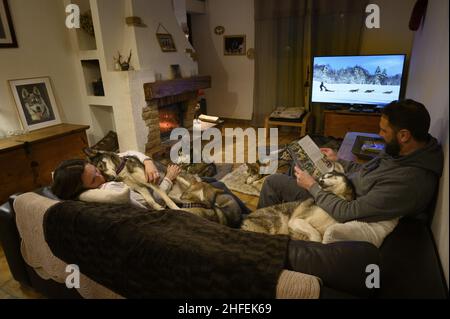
234,45
35,102
166,42
7,33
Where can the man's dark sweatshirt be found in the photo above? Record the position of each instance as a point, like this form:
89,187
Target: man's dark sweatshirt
387,187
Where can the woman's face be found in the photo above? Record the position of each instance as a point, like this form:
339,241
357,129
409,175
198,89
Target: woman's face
91,177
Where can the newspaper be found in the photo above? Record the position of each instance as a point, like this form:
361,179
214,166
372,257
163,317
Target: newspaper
309,157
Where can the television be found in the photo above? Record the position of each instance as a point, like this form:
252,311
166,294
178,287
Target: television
360,80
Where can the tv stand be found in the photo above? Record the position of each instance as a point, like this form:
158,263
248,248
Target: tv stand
362,110
338,123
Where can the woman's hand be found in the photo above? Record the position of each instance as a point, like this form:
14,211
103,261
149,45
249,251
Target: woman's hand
173,171
330,154
151,172
304,180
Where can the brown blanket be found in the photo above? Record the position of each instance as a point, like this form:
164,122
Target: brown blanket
164,254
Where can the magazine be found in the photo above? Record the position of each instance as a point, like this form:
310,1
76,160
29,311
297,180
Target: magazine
309,158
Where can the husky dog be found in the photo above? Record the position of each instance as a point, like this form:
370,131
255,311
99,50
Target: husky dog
189,193
255,178
35,104
301,220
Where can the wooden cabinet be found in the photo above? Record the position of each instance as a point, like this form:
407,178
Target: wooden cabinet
338,123
27,161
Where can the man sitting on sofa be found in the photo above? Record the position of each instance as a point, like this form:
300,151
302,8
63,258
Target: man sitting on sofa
400,182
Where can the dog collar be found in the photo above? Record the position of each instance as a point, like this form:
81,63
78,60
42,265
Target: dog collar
194,205
121,166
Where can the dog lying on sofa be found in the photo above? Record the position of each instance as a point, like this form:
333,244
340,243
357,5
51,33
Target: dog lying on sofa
188,192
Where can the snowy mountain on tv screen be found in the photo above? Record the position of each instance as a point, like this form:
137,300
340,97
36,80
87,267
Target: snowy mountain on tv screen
357,79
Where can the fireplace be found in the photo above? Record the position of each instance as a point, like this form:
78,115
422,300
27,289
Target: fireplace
170,104
170,117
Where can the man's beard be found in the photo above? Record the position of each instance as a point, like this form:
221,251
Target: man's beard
392,148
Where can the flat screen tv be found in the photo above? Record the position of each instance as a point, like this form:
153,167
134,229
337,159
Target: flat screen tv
362,80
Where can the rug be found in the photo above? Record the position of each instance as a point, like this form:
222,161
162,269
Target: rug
235,181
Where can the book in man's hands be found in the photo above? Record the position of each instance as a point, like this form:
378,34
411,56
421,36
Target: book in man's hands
308,157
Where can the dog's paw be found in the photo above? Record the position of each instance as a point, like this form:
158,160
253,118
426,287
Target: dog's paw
302,230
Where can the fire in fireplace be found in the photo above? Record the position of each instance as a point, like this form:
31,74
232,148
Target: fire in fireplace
170,117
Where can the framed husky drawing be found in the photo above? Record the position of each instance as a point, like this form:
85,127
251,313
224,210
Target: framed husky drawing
35,103
7,34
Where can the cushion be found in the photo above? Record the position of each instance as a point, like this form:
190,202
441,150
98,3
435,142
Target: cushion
106,196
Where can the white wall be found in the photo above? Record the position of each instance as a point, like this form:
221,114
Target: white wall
428,83
231,95
151,57
44,50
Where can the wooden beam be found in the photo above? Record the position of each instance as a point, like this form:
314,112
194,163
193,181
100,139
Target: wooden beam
162,89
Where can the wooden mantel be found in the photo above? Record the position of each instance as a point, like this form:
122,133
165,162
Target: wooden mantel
163,89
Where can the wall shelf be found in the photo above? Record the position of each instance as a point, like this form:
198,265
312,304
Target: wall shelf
92,73
102,121
88,55
98,100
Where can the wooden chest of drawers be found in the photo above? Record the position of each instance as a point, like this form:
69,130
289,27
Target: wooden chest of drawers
338,123
27,161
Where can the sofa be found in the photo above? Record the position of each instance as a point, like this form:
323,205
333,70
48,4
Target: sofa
408,262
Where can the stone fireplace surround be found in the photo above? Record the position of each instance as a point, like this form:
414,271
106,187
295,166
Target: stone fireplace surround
162,93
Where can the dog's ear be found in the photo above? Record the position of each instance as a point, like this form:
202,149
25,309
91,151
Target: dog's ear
36,90
90,152
25,93
339,168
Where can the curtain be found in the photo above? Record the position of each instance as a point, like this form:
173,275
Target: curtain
287,34
279,59
336,29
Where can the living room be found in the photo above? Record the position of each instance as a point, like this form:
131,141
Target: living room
131,62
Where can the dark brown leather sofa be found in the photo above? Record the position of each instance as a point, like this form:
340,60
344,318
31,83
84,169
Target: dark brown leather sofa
408,262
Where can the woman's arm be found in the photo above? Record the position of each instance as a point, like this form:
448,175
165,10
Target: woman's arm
151,171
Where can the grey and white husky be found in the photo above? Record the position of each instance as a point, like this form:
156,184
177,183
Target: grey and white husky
35,104
301,220
189,193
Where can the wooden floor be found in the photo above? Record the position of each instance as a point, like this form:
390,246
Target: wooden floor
285,136
9,288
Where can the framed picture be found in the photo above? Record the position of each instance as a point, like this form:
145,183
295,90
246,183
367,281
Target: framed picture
166,42
35,102
7,34
234,45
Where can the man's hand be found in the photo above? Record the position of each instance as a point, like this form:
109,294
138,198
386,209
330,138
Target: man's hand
330,154
304,180
151,172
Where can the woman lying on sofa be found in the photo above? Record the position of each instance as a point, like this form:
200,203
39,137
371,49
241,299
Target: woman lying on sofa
73,177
